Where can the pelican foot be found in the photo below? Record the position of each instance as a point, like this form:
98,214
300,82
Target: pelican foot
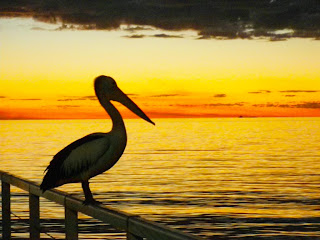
91,202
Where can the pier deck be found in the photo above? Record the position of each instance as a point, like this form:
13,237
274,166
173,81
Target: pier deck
135,227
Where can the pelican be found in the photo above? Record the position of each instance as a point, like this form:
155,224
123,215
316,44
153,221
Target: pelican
97,152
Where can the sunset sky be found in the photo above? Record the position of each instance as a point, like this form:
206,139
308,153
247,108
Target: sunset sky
47,71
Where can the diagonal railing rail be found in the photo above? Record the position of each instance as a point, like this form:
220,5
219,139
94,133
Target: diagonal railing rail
135,227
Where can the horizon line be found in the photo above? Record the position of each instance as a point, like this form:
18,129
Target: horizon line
178,117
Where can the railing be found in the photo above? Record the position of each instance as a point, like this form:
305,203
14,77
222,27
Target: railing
135,227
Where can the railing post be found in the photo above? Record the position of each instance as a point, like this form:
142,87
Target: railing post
6,211
130,235
34,217
71,223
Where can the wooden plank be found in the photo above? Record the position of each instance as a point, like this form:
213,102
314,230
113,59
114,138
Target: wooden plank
55,196
35,189
20,183
34,221
6,211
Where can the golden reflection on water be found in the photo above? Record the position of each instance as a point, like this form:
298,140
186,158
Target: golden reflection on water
203,175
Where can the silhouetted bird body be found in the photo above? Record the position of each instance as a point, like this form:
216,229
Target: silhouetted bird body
96,152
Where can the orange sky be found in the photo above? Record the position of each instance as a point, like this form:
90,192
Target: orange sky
46,73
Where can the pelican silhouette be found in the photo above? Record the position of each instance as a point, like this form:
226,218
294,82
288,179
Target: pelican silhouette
97,152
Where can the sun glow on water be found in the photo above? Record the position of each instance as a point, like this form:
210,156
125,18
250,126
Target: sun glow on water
196,172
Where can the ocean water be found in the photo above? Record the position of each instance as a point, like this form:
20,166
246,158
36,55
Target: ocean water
222,178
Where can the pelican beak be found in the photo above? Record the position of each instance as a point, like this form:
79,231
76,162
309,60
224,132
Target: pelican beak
122,98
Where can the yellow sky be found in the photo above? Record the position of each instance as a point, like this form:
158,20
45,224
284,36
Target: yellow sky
48,70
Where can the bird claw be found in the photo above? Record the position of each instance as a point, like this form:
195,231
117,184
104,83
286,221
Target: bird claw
91,202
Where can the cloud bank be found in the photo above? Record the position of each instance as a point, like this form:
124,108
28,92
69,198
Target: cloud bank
306,105
275,20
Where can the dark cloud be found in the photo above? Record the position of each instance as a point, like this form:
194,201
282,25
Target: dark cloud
137,28
167,95
68,106
39,29
224,104
26,99
3,97
312,105
259,105
166,36
154,35
66,99
308,105
272,105
92,97
238,104
211,18
299,91
260,91
221,95
276,38
78,98
290,95
135,36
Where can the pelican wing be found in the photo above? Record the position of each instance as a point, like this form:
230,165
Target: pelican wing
75,158
85,157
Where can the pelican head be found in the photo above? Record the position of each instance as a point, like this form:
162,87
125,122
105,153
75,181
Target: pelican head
109,89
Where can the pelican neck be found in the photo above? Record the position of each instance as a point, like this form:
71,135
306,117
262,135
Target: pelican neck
116,118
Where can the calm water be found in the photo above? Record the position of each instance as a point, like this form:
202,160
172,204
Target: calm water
217,178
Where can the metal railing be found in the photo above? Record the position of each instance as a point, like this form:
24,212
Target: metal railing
135,227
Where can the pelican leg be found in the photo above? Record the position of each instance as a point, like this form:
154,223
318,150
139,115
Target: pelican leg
88,194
